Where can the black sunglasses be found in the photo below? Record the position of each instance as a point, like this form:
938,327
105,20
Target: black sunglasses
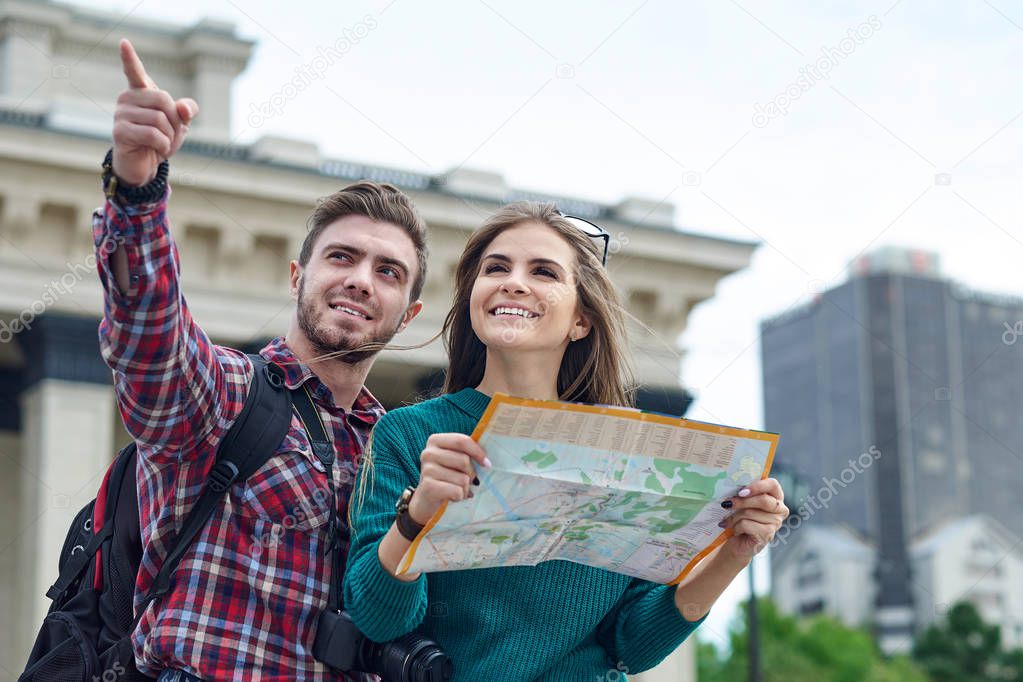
591,230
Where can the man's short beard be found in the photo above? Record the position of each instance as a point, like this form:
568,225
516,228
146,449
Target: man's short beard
345,344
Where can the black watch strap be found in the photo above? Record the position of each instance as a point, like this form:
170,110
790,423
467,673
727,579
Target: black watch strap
144,194
408,528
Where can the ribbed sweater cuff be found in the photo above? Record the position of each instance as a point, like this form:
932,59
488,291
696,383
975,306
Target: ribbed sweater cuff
659,628
389,607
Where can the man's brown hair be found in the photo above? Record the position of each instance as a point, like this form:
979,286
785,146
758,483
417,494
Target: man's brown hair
378,201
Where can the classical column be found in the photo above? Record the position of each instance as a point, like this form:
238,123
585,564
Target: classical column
67,441
10,459
26,55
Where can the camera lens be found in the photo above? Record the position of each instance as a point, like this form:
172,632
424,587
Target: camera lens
437,667
413,658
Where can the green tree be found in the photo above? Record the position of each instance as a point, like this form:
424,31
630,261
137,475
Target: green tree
963,648
806,650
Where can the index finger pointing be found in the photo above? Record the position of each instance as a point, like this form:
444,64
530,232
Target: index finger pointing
134,71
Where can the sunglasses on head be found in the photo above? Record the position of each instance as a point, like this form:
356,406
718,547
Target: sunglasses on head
591,230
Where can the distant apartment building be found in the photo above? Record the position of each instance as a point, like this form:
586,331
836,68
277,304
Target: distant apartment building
830,568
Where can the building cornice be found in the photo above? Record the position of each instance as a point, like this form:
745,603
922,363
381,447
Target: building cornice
344,169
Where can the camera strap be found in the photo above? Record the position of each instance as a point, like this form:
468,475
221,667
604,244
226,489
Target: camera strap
323,448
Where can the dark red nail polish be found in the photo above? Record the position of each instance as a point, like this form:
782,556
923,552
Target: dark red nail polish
727,504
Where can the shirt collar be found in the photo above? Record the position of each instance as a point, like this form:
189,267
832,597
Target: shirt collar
296,373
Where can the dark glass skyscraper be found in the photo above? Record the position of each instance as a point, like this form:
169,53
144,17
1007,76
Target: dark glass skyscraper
924,371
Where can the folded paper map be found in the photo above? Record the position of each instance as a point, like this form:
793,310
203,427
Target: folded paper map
629,491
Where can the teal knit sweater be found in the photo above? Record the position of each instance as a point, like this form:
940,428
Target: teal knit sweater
554,621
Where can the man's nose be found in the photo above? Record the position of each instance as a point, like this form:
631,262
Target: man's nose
359,279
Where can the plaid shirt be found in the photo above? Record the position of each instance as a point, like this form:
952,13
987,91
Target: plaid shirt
247,594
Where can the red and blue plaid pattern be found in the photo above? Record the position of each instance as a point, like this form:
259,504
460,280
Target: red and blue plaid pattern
246,596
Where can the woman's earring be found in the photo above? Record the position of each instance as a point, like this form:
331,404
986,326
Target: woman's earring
571,337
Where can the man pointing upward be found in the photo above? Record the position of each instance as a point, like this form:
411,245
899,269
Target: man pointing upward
247,594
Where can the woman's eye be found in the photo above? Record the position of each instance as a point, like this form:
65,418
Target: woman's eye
546,273
493,267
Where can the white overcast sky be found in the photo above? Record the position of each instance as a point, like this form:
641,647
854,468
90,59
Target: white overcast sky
659,101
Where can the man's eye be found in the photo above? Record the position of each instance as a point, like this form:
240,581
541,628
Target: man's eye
337,254
390,272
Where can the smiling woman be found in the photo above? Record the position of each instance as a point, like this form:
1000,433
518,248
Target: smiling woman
535,315
529,256
521,301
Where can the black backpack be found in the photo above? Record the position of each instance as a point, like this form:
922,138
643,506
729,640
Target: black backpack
86,635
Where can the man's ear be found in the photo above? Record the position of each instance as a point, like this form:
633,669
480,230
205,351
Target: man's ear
294,277
410,314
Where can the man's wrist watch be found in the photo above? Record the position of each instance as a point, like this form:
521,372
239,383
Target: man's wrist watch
143,194
408,528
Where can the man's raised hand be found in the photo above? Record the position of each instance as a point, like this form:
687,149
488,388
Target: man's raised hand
149,125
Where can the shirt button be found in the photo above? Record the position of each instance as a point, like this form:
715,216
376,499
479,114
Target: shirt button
134,278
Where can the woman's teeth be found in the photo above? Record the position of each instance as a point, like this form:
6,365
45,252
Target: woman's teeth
514,311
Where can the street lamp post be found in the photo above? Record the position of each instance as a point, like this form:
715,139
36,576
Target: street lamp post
795,491
754,631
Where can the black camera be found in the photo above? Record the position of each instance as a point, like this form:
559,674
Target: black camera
411,658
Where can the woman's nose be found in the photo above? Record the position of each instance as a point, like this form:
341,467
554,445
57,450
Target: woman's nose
513,284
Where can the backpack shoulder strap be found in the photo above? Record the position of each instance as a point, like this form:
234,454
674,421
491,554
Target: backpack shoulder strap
252,440
258,430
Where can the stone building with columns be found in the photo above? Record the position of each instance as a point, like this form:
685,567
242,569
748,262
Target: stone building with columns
239,215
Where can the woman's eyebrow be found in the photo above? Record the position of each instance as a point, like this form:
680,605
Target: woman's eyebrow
535,261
